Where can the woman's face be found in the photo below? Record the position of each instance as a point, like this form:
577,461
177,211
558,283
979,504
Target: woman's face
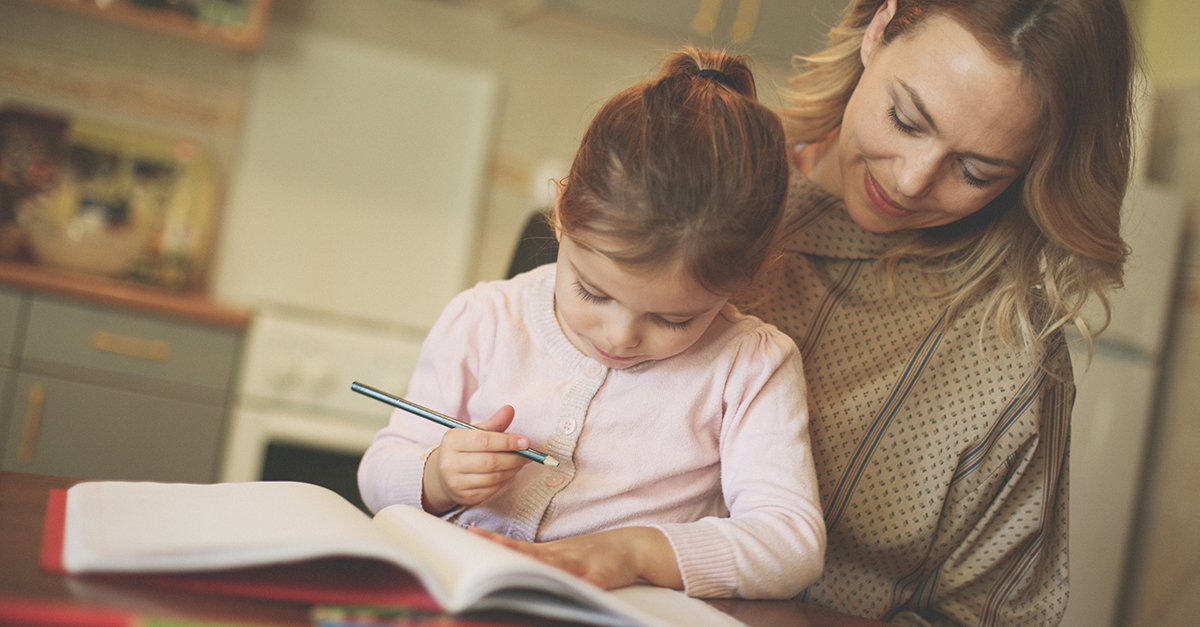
935,129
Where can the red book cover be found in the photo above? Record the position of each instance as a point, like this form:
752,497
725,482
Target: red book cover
332,581
52,532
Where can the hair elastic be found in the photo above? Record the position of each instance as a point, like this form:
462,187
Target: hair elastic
716,75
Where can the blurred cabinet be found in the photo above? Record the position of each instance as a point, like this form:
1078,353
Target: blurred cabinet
782,28
101,393
231,23
12,308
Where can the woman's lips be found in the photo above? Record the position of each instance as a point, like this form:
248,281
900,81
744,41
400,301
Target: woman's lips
880,199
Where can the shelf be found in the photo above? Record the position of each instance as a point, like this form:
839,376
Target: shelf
245,36
129,296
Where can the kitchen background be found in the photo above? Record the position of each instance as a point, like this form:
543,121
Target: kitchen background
344,170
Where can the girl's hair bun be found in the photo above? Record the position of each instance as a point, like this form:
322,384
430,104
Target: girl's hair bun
717,66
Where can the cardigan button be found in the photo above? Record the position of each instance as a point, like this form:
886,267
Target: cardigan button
555,480
593,370
568,427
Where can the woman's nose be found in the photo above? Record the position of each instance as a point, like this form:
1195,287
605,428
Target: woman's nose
915,174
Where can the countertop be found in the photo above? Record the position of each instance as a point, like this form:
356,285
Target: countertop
123,294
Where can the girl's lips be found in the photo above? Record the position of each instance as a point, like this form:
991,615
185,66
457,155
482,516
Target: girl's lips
612,357
880,199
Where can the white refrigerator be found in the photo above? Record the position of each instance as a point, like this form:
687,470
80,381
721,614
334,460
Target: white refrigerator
1115,405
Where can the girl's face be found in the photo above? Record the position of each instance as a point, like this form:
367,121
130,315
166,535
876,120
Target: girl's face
622,318
935,129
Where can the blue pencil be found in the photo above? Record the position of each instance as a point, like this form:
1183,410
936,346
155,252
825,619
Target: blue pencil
442,419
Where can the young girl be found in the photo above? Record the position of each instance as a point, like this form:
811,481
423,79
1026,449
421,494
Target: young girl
680,424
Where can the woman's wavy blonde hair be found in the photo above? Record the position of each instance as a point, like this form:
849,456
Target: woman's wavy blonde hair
1041,248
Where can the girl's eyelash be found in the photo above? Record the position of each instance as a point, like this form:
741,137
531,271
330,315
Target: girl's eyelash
599,300
675,326
588,296
900,126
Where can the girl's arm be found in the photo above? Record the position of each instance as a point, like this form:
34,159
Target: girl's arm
392,469
772,544
610,559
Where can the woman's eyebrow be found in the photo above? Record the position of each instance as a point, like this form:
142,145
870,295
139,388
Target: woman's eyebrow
920,105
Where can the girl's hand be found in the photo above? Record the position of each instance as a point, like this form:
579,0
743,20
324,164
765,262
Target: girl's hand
470,465
610,559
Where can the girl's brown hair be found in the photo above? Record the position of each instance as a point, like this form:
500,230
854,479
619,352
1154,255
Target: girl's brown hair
1053,238
688,166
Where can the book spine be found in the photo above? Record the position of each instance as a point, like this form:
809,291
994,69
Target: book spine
52,532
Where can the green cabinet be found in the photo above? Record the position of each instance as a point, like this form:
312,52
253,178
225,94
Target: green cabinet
96,392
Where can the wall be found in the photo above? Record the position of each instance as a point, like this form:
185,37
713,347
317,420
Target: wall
1163,587
556,71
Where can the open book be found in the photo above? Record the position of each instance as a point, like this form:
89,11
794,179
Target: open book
305,543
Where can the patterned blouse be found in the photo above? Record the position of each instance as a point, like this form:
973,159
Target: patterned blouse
941,452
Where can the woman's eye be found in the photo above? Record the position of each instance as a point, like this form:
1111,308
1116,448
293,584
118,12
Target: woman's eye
588,296
972,180
899,124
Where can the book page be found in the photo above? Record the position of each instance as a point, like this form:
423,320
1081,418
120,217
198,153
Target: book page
474,573
463,567
114,526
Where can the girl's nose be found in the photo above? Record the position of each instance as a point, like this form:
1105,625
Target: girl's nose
622,332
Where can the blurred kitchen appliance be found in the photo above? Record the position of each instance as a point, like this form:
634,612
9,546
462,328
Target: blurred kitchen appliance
1115,405
349,225
296,418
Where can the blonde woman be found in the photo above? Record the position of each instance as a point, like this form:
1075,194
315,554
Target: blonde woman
958,170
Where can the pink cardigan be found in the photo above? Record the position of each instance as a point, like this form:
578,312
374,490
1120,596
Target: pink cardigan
710,446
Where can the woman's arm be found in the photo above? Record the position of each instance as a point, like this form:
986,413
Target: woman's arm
1010,566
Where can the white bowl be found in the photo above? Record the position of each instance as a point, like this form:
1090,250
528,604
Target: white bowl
85,242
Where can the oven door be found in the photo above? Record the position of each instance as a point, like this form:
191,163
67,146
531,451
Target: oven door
275,445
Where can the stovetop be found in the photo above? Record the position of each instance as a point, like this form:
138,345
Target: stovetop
305,361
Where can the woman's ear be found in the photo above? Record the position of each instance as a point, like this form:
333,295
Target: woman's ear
874,35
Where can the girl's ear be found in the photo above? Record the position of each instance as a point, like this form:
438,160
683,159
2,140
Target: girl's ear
560,185
874,34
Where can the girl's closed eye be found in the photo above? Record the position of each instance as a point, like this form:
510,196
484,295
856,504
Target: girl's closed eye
588,296
673,325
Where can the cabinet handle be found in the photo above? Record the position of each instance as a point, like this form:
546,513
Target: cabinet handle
33,420
158,350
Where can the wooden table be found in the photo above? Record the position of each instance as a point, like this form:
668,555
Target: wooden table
22,511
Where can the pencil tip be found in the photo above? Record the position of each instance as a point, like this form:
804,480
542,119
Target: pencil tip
550,461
